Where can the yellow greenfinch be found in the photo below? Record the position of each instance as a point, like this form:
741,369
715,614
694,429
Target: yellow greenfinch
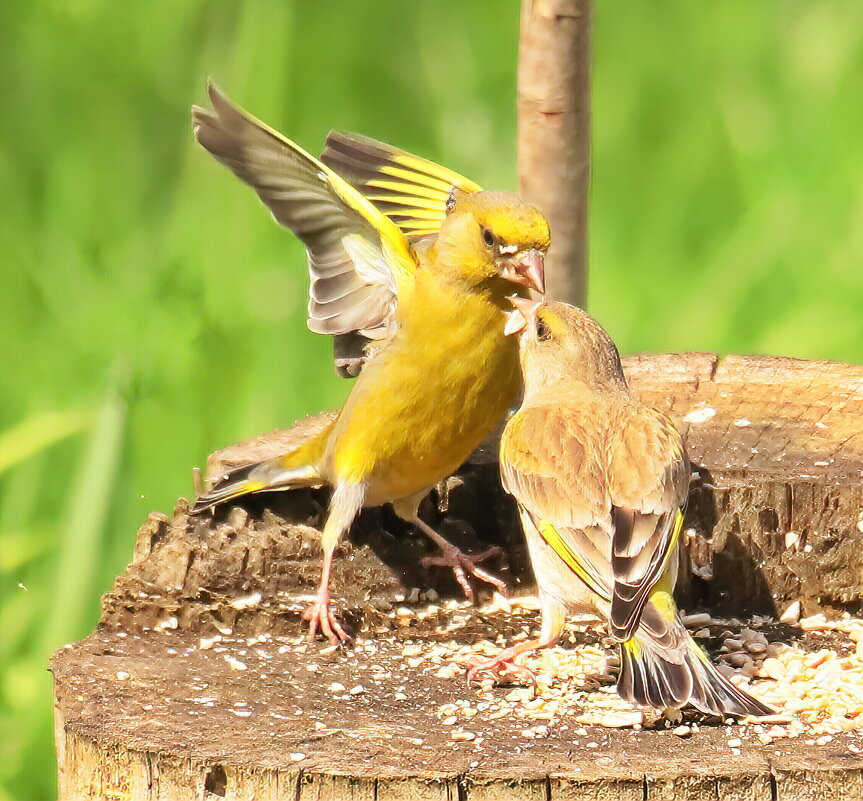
601,480
432,290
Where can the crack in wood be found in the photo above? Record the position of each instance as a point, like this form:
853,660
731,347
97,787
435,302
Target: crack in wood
774,790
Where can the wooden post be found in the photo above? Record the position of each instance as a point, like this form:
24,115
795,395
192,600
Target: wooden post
554,133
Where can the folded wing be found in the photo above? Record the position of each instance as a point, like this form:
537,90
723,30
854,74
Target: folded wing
613,513
648,485
551,463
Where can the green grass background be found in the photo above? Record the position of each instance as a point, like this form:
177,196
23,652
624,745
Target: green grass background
151,311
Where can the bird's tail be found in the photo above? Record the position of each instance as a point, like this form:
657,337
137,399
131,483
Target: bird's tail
297,468
662,666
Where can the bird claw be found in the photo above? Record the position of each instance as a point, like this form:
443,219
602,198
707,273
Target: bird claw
502,668
463,565
320,615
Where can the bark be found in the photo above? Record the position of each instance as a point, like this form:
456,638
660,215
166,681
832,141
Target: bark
554,133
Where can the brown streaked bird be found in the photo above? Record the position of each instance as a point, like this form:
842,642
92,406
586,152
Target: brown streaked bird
421,261
601,481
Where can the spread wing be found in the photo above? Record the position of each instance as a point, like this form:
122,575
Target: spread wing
648,481
412,191
551,462
358,258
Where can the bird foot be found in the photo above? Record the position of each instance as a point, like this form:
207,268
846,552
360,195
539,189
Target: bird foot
464,565
320,616
502,668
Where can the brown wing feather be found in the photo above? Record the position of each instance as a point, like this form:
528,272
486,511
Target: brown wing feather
350,291
648,481
551,462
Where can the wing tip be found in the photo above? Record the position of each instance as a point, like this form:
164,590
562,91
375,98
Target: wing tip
202,116
214,92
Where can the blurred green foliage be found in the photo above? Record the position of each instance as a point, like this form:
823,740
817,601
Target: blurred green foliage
151,311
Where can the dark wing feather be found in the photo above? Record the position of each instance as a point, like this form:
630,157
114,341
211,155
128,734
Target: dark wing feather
648,483
357,257
412,191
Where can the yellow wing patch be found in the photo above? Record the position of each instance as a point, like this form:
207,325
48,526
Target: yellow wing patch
675,536
415,194
633,647
404,261
562,548
664,604
444,177
410,190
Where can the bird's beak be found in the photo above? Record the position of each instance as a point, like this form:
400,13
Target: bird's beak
521,314
528,269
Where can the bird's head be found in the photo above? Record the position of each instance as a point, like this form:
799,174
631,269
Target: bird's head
493,236
559,343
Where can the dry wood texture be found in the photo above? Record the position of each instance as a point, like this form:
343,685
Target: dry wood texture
554,133
152,717
777,512
144,713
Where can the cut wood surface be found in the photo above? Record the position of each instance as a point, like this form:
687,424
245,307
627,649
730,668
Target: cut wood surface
152,715
197,686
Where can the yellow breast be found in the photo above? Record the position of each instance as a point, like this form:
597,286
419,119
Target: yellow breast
429,398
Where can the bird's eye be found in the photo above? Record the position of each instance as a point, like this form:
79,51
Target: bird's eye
488,237
543,332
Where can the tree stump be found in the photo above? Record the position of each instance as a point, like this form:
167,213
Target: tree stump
198,685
